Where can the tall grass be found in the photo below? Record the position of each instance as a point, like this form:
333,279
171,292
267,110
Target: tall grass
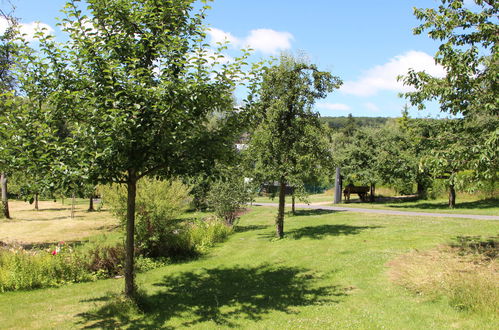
25,270
468,281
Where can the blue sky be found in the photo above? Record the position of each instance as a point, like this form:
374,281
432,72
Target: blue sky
366,43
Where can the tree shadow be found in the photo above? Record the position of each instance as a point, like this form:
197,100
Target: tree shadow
319,232
242,229
222,296
307,212
481,204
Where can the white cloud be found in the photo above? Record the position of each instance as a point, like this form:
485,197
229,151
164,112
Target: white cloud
384,77
371,107
219,36
333,106
27,29
267,41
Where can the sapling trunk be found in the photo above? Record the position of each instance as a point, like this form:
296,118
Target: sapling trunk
372,193
293,203
130,231
36,201
280,214
73,201
452,196
5,196
91,204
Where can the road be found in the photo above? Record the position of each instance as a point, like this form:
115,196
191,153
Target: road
388,212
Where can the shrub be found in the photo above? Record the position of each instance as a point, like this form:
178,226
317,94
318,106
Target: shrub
106,261
158,205
226,198
206,233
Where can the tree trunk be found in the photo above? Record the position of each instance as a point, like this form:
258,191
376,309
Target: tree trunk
5,198
130,231
280,214
73,201
36,201
293,203
337,187
452,196
372,193
91,204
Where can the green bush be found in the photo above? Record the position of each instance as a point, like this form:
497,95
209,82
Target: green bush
206,233
226,198
25,270
158,206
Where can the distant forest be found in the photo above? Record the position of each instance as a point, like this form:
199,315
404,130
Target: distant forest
341,122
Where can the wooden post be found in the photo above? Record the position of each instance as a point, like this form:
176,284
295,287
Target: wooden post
337,187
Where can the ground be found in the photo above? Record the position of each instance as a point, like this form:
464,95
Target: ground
332,270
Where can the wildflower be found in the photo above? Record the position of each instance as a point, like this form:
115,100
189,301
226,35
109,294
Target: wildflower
54,252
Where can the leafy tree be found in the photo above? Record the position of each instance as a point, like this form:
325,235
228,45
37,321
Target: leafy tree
145,89
8,50
446,152
469,55
289,142
357,156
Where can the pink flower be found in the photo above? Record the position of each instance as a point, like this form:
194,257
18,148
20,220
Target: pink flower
54,252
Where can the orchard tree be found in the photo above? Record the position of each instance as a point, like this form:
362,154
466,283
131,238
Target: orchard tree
8,51
146,87
469,36
289,144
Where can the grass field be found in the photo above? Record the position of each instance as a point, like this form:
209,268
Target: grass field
331,271
52,223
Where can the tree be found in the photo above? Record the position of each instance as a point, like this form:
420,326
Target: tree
469,56
8,50
357,157
289,142
145,87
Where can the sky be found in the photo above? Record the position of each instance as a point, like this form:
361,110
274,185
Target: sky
366,43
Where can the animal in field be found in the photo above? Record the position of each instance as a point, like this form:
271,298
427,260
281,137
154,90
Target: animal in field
359,190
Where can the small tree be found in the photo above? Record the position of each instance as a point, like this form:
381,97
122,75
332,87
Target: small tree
228,195
289,141
146,89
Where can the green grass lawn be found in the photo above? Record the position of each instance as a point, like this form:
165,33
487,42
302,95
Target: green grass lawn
329,272
466,204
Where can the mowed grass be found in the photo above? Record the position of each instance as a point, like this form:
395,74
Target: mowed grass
331,271
466,204
52,223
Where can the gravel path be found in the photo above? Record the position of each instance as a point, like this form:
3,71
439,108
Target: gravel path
389,212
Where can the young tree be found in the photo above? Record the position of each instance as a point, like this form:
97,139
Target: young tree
289,142
146,89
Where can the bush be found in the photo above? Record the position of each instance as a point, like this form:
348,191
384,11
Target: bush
106,261
25,270
158,205
226,198
206,233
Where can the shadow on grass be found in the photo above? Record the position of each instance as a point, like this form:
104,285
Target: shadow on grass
222,296
319,232
307,212
482,204
242,229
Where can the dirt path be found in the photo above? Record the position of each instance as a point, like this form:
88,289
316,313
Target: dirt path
317,206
